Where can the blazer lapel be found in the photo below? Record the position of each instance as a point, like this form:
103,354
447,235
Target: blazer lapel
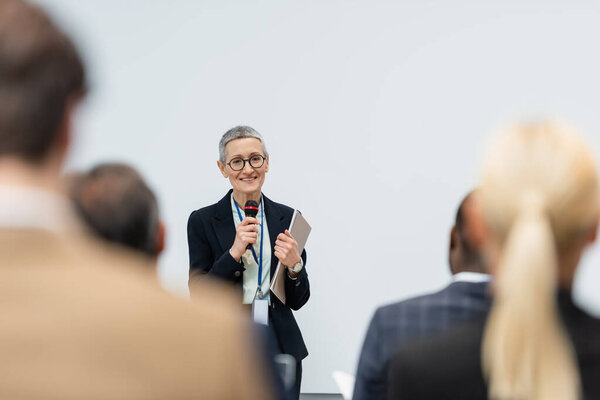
223,223
275,222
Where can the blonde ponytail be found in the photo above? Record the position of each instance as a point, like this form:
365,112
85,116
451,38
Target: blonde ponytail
526,354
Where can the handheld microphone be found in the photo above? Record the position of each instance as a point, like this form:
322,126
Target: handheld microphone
251,210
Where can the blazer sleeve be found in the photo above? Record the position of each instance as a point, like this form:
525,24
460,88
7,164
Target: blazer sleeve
297,291
202,256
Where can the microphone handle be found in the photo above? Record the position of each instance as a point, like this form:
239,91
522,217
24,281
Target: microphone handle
249,244
250,209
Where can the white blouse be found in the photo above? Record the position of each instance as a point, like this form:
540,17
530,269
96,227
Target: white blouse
250,278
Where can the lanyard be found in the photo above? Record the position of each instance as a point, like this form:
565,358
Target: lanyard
262,216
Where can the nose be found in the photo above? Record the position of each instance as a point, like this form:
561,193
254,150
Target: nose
247,167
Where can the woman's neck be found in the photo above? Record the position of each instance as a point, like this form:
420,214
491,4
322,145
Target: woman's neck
242,198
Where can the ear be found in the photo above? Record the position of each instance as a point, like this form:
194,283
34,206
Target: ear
267,164
453,250
453,238
222,169
64,136
593,234
160,238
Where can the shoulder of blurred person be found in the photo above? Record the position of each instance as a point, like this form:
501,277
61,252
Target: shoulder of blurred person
81,318
453,359
423,316
86,318
450,359
465,298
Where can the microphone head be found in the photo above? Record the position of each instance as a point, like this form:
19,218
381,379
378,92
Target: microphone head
251,208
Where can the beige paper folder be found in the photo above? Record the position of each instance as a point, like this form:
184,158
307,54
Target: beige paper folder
300,229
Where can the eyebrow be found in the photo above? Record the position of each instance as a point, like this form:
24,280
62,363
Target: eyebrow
249,155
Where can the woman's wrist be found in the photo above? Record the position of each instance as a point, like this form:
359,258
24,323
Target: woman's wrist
292,274
298,261
235,254
291,268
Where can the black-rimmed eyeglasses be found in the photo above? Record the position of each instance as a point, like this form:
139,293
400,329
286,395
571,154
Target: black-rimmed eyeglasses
238,164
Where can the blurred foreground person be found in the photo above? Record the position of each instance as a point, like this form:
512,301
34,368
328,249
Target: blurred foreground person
116,203
465,298
540,200
77,324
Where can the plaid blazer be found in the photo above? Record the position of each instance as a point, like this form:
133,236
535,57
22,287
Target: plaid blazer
451,362
394,324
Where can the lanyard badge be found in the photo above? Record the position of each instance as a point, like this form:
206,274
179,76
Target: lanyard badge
259,260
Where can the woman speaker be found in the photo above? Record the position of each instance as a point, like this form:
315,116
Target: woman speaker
243,250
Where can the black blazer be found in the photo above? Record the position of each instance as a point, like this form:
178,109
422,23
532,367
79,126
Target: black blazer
449,366
413,318
211,233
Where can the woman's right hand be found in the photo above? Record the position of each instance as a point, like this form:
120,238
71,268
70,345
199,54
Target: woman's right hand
246,233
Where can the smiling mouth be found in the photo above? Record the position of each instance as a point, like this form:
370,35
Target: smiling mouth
248,179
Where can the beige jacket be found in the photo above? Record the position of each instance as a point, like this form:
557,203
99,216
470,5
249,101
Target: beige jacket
82,320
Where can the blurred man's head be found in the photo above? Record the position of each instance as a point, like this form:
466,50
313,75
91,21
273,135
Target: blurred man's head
41,80
465,247
116,204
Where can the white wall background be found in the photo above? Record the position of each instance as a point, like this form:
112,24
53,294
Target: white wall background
374,113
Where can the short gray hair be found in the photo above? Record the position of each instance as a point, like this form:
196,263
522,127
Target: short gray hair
239,132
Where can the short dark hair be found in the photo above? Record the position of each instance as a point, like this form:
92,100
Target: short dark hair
40,72
116,203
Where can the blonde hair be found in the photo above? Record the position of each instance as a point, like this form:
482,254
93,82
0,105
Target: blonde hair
539,193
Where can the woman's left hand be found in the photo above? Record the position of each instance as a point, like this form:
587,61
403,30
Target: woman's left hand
286,249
